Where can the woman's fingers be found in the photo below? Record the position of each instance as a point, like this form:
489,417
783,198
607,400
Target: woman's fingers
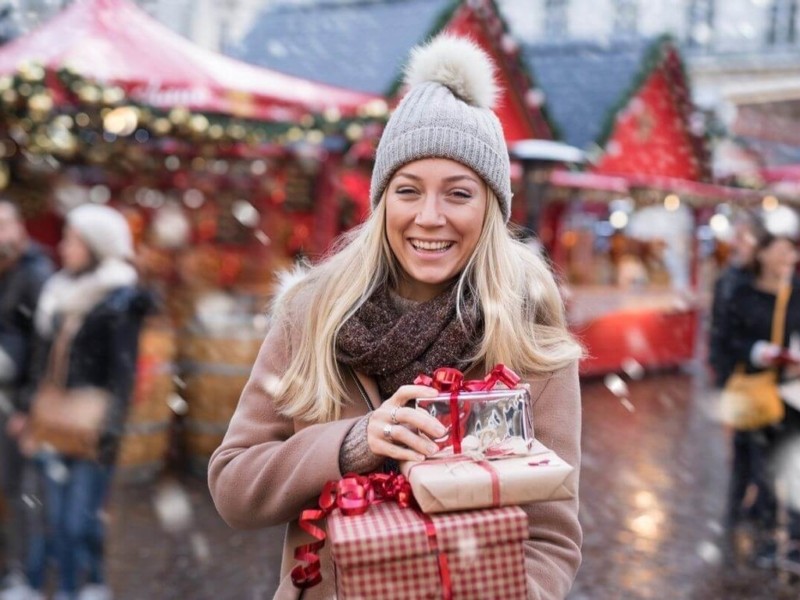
417,418
392,429
385,438
406,393
397,452
406,437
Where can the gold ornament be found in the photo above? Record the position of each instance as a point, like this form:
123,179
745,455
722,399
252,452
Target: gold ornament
89,94
179,115
162,126
198,123
40,103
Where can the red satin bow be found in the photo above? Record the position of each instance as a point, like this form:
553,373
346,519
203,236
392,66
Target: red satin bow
447,379
353,495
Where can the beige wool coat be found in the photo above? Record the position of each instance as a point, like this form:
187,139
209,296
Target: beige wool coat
270,468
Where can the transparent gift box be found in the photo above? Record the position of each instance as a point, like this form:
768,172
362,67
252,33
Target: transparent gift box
492,422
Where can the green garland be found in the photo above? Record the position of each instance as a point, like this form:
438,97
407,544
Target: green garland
60,113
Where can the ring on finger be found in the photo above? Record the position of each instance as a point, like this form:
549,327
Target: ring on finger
387,431
394,414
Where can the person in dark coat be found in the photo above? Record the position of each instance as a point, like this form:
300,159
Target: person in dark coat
722,359
737,273
94,301
24,267
775,260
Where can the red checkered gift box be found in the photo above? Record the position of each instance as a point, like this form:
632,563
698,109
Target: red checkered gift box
395,553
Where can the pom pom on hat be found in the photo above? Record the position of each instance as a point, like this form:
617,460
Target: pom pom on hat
447,113
458,64
105,231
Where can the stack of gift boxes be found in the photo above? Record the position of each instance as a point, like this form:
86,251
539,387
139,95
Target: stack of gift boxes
462,534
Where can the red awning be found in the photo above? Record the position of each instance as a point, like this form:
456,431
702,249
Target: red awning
624,183
781,173
115,42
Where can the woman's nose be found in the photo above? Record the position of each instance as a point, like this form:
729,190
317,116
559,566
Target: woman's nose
430,214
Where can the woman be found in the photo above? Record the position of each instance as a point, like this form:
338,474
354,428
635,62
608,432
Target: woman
723,361
433,278
751,315
94,308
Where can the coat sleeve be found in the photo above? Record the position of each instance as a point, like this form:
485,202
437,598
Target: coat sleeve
719,353
553,550
269,468
123,340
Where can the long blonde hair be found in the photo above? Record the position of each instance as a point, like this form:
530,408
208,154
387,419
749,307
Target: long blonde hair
523,314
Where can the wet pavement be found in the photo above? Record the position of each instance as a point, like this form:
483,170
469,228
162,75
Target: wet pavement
653,493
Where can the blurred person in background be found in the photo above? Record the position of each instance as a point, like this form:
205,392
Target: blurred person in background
433,278
775,258
96,307
24,267
722,358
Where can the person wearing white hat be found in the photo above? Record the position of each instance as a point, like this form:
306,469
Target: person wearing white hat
93,308
433,278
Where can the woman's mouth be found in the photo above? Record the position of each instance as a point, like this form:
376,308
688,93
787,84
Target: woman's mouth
431,246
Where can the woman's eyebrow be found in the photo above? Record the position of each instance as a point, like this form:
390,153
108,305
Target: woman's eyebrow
447,179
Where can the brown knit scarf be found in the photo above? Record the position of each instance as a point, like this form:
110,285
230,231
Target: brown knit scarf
395,346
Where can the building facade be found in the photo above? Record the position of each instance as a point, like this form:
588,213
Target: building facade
743,59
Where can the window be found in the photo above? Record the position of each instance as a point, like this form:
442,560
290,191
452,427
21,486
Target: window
555,19
700,19
626,18
782,22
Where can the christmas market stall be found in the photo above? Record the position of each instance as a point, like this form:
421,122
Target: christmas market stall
222,169
635,232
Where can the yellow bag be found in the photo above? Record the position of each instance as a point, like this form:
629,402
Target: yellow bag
752,400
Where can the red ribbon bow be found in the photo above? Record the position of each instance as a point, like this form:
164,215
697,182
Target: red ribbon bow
447,379
353,495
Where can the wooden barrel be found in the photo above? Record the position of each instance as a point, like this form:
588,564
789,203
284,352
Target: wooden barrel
143,451
215,369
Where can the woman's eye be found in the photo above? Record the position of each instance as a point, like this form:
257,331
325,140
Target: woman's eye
461,194
405,190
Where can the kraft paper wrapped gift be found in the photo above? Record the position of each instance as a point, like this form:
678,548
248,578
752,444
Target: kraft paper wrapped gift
462,483
395,553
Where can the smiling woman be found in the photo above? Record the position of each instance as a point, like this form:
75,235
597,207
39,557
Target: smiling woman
435,210
432,279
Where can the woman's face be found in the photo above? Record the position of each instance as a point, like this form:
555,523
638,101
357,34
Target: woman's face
434,215
75,254
779,259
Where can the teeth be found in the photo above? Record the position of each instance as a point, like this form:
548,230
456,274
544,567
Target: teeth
420,245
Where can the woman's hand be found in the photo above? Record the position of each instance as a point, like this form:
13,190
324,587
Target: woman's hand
390,431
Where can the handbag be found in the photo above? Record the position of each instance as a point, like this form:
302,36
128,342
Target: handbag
752,400
67,420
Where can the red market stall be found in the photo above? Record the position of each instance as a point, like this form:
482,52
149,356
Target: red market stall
222,169
623,300
110,53
623,233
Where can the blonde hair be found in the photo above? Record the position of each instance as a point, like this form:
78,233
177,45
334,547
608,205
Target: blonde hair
523,313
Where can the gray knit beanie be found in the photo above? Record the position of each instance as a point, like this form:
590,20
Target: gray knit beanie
447,113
